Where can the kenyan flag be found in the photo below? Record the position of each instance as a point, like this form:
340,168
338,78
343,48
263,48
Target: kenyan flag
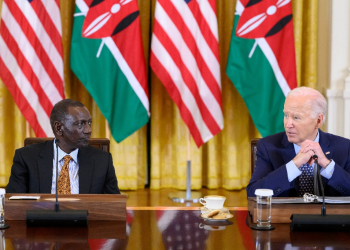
261,62
107,57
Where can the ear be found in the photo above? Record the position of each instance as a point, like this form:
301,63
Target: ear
319,120
57,127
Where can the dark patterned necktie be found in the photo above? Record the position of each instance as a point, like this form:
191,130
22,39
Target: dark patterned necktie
306,180
63,184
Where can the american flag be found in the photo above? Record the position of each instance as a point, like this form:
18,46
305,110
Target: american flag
31,58
185,57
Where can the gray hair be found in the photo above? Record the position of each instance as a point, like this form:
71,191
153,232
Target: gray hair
315,99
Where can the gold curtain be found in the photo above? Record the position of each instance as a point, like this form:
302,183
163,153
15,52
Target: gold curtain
222,162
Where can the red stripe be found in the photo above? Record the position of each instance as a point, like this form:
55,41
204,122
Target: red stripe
191,44
26,68
20,100
205,29
36,44
213,5
48,25
285,54
187,77
129,43
174,93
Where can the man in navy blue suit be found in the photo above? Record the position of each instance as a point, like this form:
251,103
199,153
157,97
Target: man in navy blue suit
284,160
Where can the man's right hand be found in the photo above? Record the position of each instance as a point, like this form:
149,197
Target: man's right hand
302,158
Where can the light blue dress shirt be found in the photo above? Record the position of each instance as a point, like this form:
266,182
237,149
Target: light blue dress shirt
73,169
294,172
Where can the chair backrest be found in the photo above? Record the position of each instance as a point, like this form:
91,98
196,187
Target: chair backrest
101,143
253,150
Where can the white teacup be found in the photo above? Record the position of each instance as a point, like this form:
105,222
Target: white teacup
213,201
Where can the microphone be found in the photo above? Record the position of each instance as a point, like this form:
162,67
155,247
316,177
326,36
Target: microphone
57,206
57,217
314,222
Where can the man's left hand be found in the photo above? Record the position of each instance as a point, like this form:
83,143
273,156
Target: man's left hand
308,145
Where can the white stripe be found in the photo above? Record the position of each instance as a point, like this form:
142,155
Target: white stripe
129,74
26,48
54,13
134,83
186,96
188,59
206,52
24,86
265,47
210,16
40,32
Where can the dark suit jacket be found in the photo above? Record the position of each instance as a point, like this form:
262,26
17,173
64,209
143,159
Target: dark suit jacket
33,165
275,151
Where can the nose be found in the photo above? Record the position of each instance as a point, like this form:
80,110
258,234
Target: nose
87,128
288,122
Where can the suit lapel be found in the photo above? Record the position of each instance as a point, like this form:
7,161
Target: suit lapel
45,167
288,154
86,166
324,143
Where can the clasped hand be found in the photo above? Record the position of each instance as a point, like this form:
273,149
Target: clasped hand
308,149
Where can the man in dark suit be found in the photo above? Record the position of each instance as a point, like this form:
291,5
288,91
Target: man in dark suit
285,161
87,170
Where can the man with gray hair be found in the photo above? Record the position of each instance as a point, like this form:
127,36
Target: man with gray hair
285,161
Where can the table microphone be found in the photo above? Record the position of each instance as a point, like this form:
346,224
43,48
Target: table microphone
322,222
57,217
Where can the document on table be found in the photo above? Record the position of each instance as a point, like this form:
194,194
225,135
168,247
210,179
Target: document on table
328,199
24,197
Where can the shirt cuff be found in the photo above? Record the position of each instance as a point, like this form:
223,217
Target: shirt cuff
328,171
292,171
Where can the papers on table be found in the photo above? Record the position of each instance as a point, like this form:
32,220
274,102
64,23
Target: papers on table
328,199
24,198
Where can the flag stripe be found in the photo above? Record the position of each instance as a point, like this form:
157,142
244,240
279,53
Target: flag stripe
26,68
186,114
42,12
282,82
44,38
35,44
207,25
205,50
187,99
190,62
184,55
185,41
140,89
187,78
22,90
31,64
31,56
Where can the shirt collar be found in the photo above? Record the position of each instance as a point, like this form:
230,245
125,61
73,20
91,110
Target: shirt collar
297,148
61,153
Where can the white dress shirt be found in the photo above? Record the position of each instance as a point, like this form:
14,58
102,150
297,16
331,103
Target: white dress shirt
73,169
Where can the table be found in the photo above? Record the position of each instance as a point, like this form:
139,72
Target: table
167,228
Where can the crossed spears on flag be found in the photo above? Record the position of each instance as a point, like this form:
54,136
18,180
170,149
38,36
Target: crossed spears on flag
257,20
102,20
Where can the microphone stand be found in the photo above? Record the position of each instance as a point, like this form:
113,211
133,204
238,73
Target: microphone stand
57,206
57,217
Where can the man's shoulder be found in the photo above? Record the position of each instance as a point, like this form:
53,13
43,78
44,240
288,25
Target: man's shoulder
334,138
94,151
36,147
274,139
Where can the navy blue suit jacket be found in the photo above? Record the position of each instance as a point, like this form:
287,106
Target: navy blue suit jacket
33,165
275,151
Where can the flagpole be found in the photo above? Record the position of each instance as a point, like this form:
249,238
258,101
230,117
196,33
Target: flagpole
108,132
188,196
188,176
27,129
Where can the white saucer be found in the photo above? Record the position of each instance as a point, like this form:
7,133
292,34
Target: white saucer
206,210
